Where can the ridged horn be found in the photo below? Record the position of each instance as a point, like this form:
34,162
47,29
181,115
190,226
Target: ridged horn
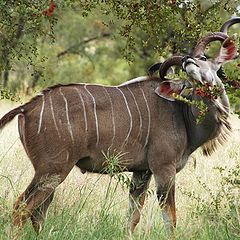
202,44
229,23
173,61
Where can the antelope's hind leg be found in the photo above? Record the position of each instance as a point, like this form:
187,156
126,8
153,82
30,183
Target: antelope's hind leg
165,183
19,215
39,214
34,201
138,188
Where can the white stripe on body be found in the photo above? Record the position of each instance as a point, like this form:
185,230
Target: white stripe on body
41,114
134,80
67,115
53,116
84,109
95,113
149,116
113,119
130,116
139,113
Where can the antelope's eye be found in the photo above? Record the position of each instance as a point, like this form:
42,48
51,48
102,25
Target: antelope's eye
203,58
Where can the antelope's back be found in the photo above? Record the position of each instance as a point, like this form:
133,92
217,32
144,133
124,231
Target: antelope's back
89,120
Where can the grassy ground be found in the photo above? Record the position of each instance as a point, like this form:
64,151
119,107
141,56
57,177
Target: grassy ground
91,206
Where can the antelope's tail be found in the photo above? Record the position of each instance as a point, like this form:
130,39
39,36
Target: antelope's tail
10,115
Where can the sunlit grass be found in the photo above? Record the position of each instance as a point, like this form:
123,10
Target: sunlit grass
93,206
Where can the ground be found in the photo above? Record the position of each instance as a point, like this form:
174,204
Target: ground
93,206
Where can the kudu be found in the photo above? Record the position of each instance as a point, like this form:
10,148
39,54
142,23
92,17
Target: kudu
72,125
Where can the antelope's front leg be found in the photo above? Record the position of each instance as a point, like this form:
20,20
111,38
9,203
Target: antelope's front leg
165,183
139,185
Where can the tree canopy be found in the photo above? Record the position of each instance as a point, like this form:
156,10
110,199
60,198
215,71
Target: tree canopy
45,42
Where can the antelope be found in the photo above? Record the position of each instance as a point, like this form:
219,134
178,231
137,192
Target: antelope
72,125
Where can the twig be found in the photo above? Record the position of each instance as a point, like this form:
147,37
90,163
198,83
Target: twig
71,48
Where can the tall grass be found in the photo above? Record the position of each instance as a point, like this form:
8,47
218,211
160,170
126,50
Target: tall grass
95,206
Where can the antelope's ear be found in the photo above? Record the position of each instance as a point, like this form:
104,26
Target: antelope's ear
167,89
154,68
228,51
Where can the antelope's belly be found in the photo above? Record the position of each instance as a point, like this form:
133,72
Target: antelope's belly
114,160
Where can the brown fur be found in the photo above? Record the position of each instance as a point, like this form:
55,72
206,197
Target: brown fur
60,130
224,132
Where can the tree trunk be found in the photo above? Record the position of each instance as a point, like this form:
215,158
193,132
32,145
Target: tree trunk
5,78
7,51
36,77
5,73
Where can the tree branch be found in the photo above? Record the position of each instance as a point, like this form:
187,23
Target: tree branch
11,44
20,28
73,47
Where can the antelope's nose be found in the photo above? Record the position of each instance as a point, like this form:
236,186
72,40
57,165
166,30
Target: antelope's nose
186,61
186,58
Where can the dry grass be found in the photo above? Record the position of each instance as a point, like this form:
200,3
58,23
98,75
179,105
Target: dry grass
82,190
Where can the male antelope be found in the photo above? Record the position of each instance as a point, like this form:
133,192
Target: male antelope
71,125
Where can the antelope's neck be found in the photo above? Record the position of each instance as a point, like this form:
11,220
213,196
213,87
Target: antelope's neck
213,128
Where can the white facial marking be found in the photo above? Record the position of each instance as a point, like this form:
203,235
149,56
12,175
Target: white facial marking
149,117
130,116
113,119
194,71
67,115
95,113
41,114
139,113
84,109
53,116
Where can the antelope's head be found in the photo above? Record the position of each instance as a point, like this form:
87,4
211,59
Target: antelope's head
201,72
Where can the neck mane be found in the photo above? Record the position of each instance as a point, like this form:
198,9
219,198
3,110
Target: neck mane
213,131
224,130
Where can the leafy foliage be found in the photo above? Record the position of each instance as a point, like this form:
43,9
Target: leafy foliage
167,26
170,26
21,24
46,42
200,105
7,94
